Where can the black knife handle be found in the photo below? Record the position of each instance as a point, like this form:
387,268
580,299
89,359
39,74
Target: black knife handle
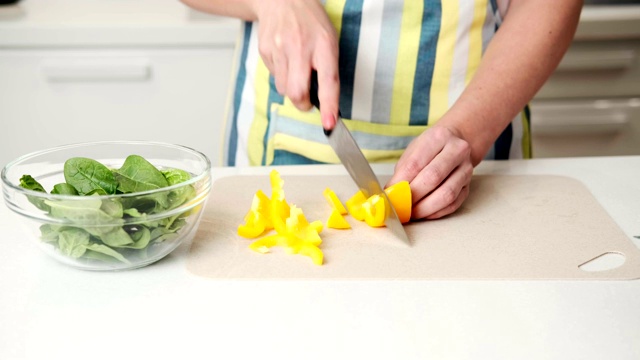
313,96
313,89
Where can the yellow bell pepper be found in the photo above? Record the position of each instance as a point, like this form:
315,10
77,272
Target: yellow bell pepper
354,205
374,211
333,200
400,197
258,219
294,232
298,226
263,245
337,221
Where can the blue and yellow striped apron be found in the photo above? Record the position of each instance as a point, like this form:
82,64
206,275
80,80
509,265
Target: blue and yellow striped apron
402,66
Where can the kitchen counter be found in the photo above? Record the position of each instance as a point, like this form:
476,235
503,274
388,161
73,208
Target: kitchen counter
49,310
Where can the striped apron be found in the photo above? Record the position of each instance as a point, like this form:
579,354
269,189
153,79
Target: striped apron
402,65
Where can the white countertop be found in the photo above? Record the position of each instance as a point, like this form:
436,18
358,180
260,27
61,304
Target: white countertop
51,311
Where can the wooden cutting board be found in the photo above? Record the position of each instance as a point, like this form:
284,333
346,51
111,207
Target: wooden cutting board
510,227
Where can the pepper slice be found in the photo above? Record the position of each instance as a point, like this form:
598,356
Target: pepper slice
374,211
354,205
333,200
337,221
400,197
258,219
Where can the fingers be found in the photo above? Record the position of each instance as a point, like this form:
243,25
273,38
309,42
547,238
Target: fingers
447,197
438,167
293,39
453,156
328,88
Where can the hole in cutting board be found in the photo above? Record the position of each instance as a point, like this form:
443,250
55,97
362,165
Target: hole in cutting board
604,262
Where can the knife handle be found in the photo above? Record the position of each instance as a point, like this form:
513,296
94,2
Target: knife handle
313,96
313,89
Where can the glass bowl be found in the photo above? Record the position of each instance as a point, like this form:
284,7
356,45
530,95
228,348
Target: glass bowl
134,225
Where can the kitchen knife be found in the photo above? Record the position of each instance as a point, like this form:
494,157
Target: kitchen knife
357,166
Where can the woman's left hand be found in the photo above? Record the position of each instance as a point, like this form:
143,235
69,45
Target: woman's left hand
439,167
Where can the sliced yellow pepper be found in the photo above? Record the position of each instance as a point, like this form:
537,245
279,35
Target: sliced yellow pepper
354,205
299,227
263,245
400,197
258,219
333,200
313,252
374,211
294,232
337,221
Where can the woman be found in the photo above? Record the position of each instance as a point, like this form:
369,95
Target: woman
433,84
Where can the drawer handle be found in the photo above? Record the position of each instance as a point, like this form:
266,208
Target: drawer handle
79,70
598,60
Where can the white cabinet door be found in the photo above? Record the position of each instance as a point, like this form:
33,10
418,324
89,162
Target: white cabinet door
55,97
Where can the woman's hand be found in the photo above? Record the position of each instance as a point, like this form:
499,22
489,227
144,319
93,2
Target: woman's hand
438,166
295,37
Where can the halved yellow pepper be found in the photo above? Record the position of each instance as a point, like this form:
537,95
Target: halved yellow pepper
354,205
337,221
333,200
400,197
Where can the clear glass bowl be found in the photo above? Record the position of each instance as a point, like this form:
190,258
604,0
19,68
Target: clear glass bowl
109,232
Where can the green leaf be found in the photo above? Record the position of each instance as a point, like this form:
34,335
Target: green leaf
176,176
64,189
48,233
89,176
85,212
29,183
141,237
73,241
117,237
105,250
137,174
113,208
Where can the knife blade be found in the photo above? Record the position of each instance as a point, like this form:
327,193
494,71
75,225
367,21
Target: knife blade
349,153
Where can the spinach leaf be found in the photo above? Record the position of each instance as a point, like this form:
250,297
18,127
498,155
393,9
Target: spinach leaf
137,174
104,253
176,176
117,237
181,195
73,242
89,176
29,183
64,189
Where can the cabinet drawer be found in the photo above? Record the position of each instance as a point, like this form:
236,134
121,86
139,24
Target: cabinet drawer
55,97
596,69
585,127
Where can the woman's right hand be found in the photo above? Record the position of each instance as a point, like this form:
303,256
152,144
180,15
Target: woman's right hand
295,37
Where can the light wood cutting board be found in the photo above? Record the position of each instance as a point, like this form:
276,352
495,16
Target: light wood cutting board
510,227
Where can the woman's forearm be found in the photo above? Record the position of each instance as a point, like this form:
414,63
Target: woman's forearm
524,52
242,9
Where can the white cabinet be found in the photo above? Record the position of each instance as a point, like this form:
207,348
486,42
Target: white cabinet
84,70
55,97
591,104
